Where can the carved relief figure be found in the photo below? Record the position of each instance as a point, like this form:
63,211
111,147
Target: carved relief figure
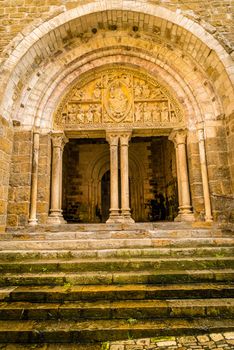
164,112
72,110
97,92
156,113
78,94
117,99
81,116
97,114
147,113
89,115
139,112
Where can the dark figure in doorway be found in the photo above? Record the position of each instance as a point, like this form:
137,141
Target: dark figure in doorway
98,213
162,206
158,209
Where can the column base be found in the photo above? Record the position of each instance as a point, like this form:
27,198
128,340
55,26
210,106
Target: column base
208,219
113,219
185,217
33,222
127,219
56,218
126,216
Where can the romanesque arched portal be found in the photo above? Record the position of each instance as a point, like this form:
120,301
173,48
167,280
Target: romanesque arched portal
149,70
114,105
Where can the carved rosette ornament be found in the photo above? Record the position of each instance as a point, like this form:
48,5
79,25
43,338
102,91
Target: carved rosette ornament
116,97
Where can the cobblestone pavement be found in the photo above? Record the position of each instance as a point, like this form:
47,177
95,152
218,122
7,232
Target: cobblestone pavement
215,341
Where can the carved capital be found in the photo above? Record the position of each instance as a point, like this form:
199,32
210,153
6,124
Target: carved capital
201,136
58,139
125,138
178,136
200,131
112,138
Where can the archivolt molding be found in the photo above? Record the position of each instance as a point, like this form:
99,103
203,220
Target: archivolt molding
106,5
158,69
53,82
25,56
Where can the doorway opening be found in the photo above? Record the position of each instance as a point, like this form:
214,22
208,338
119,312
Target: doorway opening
152,180
105,196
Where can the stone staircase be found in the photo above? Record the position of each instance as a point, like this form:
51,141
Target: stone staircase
97,283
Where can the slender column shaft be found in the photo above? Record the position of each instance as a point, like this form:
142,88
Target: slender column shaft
185,208
182,160
124,174
55,181
114,183
205,184
58,142
124,168
178,178
33,207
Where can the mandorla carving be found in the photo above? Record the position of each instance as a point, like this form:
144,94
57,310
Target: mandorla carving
118,97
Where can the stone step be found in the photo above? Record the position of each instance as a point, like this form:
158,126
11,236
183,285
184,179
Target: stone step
49,294
96,244
117,234
112,310
137,226
101,330
104,277
17,255
133,264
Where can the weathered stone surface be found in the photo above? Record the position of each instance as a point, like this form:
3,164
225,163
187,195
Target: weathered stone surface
20,180
6,137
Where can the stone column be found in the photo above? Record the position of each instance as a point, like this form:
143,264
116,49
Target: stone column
58,142
33,205
185,208
113,140
178,181
204,173
124,169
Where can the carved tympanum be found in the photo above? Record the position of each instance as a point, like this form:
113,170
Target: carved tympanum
118,96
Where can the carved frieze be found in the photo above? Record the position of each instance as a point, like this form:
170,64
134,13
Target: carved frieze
118,97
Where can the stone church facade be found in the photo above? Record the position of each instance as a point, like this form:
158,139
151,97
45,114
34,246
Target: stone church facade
116,111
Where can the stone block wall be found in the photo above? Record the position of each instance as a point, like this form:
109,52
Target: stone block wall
44,171
195,177
219,171
230,144
6,138
20,179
